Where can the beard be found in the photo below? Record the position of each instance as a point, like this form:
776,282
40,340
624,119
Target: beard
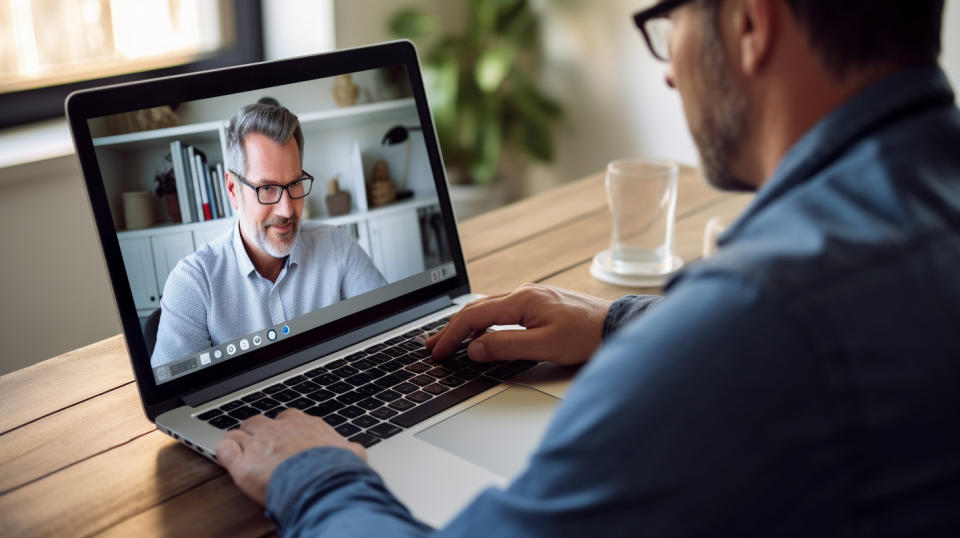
278,247
723,125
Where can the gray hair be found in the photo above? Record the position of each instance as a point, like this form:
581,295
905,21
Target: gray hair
272,121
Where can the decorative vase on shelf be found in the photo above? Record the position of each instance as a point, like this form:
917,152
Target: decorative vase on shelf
338,201
345,92
138,209
173,207
382,190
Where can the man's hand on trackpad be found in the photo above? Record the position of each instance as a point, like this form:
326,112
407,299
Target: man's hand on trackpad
564,327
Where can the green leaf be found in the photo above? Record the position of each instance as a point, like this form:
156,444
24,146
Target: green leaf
484,167
411,23
493,66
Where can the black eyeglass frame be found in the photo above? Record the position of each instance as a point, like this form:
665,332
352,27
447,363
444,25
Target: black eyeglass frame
659,10
306,177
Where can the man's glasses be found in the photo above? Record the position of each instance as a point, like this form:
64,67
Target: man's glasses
655,25
271,194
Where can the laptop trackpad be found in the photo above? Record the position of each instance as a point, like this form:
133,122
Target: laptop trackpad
499,433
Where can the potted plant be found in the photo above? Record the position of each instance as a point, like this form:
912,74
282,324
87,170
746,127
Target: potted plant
167,189
482,89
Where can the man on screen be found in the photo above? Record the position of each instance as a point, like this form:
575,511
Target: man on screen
272,267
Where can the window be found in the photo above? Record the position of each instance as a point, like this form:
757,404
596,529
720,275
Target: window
49,48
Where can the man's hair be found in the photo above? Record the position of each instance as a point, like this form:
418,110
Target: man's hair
271,120
851,34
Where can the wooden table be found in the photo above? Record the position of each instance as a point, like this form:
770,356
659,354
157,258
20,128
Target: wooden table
78,456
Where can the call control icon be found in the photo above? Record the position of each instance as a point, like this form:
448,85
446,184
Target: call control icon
271,335
231,349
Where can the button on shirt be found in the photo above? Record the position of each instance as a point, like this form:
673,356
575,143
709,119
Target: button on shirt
216,294
805,381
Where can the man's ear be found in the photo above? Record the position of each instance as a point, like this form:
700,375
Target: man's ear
756,25
232,190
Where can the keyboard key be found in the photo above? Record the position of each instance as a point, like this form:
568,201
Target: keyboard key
365,421
333,365
253,397
351,412
418,397
243,413
347,429
223,422
380,358
364,439
369,404
422,380
286,395
442,402
374,348
230,406
388,395
388,381
391,366
301,403
412,346
469,373
326,379
350,398
340,387
273,389
355,357
395,352
275,411
295,380
334,419
360,379
316,371
385,430
209,414
383,413
418,368
264,404
306,387
325,408
320,395
435,389
411,334
363,363
452,381
439,371
405,388
395,340
368,390
346,371
403,405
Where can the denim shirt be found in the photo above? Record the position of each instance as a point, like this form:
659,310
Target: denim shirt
805,381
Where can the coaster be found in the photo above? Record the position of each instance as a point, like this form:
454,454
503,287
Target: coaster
600,269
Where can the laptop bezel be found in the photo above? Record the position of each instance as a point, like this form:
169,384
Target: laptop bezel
84,105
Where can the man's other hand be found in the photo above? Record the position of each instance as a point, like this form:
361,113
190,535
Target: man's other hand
252,452
564,327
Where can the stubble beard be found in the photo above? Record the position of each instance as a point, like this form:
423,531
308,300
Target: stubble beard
719,137
279,247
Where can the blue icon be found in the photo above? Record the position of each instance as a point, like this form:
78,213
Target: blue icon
285,329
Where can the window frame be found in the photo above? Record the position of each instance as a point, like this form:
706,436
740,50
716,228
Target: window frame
29,106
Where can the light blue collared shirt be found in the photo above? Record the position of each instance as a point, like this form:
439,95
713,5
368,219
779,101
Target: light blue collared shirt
216,294
805,381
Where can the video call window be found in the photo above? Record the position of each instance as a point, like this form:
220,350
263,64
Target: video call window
232,239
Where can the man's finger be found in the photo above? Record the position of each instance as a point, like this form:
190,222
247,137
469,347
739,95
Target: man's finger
254,424
475,318
431,340
530,344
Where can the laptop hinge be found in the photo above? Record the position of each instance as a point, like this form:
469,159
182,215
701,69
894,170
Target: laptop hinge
304,356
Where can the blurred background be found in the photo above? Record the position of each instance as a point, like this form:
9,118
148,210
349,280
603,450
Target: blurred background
527,95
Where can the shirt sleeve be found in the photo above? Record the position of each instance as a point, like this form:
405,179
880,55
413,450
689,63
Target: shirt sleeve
626,309
705,416
360,275
183,316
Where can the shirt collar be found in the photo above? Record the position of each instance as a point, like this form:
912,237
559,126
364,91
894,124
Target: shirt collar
246,264
887,100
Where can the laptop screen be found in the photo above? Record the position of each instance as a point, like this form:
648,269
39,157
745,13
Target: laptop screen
250,217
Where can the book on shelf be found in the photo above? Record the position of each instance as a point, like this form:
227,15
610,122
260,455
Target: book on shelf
184,195
200,194
224,195
210,203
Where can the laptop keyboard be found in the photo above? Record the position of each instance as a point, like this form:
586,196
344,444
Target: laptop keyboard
375,393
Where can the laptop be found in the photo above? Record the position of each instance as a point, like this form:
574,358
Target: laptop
438,432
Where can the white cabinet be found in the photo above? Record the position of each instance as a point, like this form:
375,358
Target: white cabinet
141,271
395,244
168,249
212,230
